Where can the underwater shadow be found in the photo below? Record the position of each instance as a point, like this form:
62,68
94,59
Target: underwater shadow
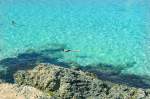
114,74
108,72
29,60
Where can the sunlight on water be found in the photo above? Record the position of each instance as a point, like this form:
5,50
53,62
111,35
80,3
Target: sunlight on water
113,32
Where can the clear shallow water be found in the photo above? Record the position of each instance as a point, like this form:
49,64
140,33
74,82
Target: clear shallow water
114,32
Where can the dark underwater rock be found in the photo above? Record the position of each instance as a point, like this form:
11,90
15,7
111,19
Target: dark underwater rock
64,83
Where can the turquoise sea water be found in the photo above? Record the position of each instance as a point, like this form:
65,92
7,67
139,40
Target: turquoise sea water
115,32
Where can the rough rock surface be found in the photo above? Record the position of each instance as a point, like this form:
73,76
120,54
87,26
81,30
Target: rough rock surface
13,91
64,83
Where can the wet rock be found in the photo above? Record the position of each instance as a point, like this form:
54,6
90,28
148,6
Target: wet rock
65,83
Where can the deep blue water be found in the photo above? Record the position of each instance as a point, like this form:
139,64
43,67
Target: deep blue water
114,32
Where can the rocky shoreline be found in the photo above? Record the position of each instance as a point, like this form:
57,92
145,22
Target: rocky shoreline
47,81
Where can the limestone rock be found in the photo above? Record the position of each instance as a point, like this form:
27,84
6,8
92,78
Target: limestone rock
12,91
64,83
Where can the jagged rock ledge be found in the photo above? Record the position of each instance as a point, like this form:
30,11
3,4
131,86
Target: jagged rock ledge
64,83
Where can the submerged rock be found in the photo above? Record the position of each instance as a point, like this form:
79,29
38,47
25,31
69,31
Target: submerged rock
13,91
64,83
